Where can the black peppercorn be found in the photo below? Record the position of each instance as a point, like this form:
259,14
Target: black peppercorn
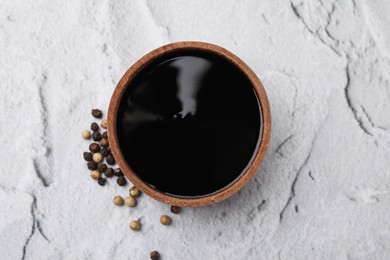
104,142
105,151
101,181
175,209
96,136
94,127
87,156
121,181
154,255
109,172
105,135
95,148
92,166
102,167
97,113
110,159
118,172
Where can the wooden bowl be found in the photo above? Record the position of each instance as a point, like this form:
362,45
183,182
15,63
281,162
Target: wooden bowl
265,133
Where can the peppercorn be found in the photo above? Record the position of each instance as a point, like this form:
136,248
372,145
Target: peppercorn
101,181
121,181
96,136
95,175
118,200
92,166
175,209
110,159
86,134
97,157
130,201
94,127
95,148
105,151
104,123
135,225
165,220
104,142
102,167
109,172
87,156
97,113
118,172
134,192
105,135
154,255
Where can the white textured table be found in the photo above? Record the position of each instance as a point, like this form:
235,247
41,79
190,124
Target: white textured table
323,191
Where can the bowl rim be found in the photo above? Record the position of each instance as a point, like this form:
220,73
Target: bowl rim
265,134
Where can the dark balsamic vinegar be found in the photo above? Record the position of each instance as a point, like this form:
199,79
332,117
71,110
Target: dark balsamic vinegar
189,123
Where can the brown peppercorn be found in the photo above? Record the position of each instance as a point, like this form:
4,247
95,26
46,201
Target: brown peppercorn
109,172
87,156
105,151
94,127
86,134
118,200
118,172
134,192
104,142
92,166
175,209
95,175
165,220
102,167
154,255
105,135
97,113
110,159
97,157
101,181
95,148
96,136
121,181
135,225
104,123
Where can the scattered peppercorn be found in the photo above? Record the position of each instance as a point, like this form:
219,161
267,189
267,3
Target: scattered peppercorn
105,135
95,148
165,220
130,201
118,200
101,181
175,209
109,172
110,159
135,225
96,136
104,142
134,192
86,134
118,172
92,166
98,157
95,175
87,156
121,181
105,151
97,113
94,127
104,123
154,255
102,167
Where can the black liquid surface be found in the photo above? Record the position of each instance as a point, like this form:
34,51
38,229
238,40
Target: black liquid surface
189,124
